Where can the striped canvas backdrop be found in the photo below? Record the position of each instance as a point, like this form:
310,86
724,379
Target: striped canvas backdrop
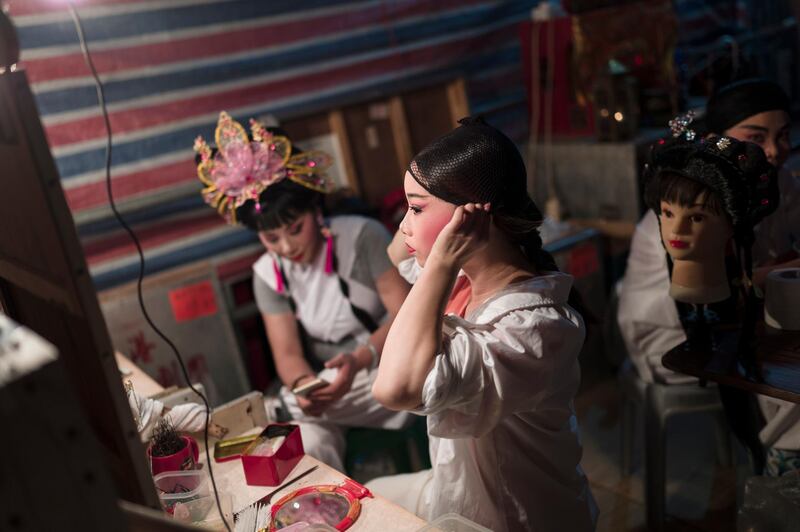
169,66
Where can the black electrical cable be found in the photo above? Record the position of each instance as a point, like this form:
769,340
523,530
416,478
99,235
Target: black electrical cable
101,100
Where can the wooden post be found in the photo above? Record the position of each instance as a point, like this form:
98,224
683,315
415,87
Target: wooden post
457,98
339,128
46,286
402,138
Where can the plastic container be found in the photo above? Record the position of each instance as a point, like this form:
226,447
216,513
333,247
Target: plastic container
203,511
181,487
453,523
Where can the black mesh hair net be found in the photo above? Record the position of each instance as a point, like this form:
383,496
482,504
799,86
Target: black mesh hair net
474,163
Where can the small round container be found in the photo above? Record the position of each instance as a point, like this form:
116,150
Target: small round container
203,512
181,487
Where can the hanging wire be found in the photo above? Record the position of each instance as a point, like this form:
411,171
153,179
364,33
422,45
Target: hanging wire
102,102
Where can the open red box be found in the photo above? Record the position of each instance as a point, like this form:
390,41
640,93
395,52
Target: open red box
271,470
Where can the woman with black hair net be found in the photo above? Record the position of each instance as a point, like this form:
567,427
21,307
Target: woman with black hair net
752,110
495,375
325,287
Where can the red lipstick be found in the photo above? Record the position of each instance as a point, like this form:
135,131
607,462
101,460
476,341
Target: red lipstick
678,244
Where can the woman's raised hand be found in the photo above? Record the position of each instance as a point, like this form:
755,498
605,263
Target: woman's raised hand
466,233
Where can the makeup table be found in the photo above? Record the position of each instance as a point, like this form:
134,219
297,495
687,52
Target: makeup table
246,416
777,362
377,513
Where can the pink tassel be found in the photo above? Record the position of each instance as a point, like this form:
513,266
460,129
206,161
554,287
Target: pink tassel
278,278
329,255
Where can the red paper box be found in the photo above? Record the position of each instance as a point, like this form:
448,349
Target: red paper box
271,470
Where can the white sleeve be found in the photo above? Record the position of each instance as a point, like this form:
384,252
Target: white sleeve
779,233
409,269
647,316
488,372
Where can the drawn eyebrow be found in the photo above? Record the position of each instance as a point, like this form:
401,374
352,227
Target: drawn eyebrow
418,196
754,128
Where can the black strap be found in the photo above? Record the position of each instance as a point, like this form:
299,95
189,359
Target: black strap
361,315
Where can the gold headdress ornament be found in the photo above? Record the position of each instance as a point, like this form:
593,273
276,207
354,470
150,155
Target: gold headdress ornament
242,169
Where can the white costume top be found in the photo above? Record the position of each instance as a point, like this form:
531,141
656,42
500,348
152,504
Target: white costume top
504,438
360,247
648,318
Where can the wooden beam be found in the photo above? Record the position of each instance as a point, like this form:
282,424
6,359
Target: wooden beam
457,98
339,128
39,286
400,133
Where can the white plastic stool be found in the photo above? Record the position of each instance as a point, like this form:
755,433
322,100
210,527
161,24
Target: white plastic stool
661,402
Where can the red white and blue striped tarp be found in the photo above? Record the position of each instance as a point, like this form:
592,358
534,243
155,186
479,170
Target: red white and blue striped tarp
169,66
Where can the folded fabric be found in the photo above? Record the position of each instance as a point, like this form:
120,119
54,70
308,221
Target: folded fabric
188,417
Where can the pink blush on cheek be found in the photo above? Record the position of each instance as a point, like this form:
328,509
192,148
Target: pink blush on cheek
431,227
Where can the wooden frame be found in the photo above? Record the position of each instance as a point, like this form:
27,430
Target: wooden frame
457,96
402,138
336,121
45,285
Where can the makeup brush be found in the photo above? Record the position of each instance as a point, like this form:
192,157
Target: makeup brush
253,518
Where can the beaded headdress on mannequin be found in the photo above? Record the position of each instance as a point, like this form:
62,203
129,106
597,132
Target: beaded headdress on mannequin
737,172
240,169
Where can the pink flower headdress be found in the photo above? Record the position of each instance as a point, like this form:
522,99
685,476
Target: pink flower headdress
242,169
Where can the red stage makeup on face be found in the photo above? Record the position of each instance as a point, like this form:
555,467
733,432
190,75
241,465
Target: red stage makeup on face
298,240
426,217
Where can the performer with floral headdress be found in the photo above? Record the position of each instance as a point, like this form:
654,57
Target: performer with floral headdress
328,281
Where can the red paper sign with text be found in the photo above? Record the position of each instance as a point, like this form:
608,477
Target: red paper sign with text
194,301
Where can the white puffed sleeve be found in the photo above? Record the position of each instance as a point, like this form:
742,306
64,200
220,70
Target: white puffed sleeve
487,372
409,269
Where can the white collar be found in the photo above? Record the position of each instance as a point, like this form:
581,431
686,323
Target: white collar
549,289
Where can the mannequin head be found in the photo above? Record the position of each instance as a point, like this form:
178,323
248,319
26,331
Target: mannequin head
693,224
706,192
